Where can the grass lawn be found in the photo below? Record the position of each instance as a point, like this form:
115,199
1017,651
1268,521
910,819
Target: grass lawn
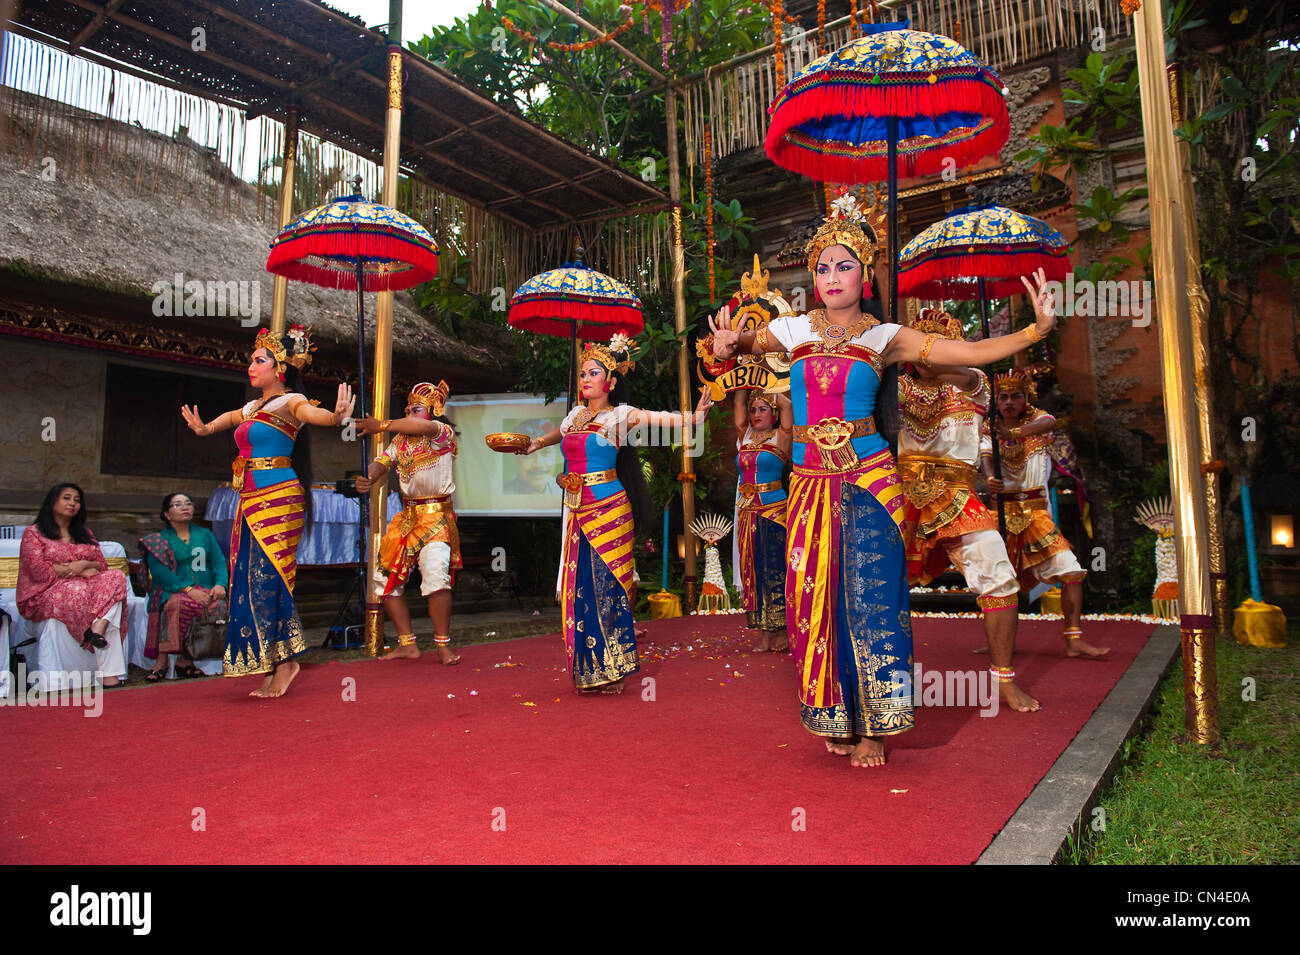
1173,802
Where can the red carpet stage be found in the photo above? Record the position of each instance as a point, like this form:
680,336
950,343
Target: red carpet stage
497,760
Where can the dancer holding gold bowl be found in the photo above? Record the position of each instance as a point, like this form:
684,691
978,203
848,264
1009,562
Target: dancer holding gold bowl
604,493
423,533
846,572
765,423
271,474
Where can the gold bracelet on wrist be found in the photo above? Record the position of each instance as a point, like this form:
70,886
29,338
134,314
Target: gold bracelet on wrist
385,424
1031,332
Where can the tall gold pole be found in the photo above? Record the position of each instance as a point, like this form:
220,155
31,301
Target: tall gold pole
1168,243
280,290
1199,305
383,377
683,359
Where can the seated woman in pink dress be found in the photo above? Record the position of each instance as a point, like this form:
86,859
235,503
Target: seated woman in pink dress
62,575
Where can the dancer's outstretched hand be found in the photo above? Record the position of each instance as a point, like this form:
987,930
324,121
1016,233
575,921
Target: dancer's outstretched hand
1042,299
725,339
343,405
191,416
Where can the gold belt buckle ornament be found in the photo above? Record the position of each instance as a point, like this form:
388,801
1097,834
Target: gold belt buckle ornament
237,467
923,488
832,437
406,521
1019,517
747,494
572,484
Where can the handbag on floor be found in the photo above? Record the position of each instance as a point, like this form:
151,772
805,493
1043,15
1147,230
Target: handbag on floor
206,638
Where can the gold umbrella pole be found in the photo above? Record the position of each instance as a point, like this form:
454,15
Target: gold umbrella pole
1168,242
383,376
280,290
687,477
1199,304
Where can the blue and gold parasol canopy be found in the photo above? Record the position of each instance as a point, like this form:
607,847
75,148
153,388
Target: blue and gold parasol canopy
323,246
997,244
830,122
574,300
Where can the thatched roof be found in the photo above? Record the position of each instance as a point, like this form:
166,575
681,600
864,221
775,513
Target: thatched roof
263,56
103,232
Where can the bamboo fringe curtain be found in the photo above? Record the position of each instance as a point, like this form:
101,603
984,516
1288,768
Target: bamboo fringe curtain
180,147
66,116
1001,33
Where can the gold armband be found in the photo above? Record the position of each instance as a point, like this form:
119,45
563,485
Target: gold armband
762,339
1031,332
923,353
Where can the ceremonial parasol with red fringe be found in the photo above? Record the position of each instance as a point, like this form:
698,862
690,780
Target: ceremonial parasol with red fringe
574,300
352,242
894,101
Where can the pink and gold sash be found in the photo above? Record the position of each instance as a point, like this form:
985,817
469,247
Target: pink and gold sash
275,516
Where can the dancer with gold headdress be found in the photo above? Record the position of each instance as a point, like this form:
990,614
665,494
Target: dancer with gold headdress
604,493
765,423
1036,547
423,534
272,475
944,521
846,574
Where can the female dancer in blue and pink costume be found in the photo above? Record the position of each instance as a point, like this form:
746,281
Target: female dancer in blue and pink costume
272,475
602,484
846,576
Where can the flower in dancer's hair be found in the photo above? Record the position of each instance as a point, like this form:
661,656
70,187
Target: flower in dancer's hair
846,207
620,342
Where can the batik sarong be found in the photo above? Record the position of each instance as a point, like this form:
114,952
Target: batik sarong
847,611
594,589
264,629
760,536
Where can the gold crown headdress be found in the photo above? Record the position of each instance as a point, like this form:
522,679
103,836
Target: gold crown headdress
430,396
604,355
299,335
1017,379
844,227
935,321
767,399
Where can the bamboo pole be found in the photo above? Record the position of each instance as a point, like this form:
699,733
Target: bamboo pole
1168,239
595,31
383,376
1199,304
679,321
280,290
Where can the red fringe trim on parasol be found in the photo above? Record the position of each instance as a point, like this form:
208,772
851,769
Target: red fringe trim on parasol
322,258
599,318
954,275
848,94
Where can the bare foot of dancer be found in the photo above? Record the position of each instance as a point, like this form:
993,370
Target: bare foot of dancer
640,633
764,644
868,753
1017,699
280,680
446,657
1076,646
780,643
266,685
838,746
408,652
612,689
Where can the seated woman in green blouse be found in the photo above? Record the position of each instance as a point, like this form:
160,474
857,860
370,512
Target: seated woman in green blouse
188,575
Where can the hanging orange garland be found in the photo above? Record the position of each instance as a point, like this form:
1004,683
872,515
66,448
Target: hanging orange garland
571,47
777,14
708,198
821,27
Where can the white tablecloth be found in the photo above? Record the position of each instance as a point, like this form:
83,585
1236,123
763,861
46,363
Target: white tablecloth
332,537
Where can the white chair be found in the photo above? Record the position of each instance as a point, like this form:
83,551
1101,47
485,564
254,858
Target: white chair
57,653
